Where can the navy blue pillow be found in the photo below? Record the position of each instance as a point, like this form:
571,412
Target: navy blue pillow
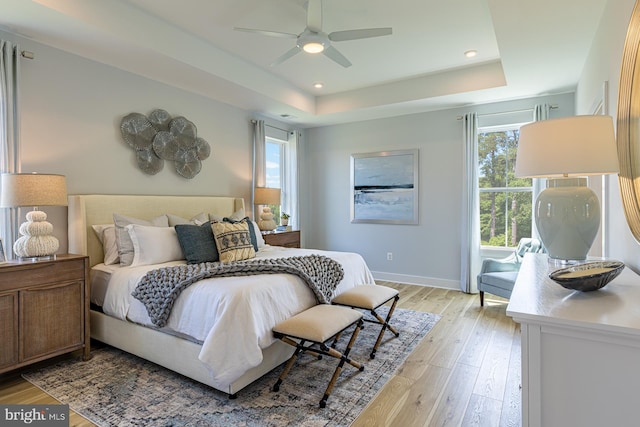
197,242
252,231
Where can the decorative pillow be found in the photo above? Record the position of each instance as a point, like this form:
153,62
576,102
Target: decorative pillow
258,233
154,245
199,219
125,245
252,231
107,235
237,216
233,241
197,243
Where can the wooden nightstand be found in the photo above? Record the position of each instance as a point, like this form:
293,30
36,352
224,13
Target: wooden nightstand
44,310
290,239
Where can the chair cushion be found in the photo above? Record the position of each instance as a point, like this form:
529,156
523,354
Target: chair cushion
366,296
319,323
503,280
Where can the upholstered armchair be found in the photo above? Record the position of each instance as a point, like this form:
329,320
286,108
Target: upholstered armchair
498,276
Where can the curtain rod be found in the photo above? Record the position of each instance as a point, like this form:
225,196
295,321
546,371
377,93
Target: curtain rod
27,55
553,107
271,126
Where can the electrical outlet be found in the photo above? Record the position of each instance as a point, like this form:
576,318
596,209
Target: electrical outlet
389,256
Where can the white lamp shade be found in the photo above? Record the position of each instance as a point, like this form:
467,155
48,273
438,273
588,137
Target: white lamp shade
266,196
32,189
570,146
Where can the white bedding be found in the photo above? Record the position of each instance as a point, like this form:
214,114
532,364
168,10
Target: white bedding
231,316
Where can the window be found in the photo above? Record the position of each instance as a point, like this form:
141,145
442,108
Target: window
274,167
505,201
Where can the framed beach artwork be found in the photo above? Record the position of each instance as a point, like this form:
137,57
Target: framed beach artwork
384,187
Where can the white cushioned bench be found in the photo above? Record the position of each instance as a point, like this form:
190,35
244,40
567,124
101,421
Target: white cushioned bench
308,331
371,297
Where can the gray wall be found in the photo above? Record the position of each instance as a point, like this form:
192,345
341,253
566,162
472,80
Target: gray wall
428,253
604,64
71,109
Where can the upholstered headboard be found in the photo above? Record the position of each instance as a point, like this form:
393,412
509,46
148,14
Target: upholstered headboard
93,209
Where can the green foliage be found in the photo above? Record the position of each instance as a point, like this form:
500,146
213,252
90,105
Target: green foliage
275,210
495,241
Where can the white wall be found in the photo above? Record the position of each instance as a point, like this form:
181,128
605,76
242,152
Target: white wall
71,110
428,253
603,64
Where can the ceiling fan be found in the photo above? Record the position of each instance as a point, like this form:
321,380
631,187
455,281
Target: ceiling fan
314,40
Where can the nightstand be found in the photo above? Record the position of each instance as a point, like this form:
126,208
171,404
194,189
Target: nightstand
290,239
44,310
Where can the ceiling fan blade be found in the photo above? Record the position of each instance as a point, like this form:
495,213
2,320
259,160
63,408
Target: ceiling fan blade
333,54
314,16
268,33
365,33
288,54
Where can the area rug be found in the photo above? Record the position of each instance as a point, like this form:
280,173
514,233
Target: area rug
115,388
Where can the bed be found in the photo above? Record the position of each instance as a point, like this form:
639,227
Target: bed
200,339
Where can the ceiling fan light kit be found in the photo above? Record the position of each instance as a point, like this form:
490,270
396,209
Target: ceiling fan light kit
313,47
313,40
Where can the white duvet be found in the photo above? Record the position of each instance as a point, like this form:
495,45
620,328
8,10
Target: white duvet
232,316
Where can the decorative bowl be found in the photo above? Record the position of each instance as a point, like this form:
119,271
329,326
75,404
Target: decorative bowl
587,277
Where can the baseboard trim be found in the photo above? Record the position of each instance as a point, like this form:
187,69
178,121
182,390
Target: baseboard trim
417,280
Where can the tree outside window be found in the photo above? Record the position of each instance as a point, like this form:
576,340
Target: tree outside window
505,201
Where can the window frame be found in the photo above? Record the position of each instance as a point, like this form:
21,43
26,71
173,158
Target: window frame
498,251
282,147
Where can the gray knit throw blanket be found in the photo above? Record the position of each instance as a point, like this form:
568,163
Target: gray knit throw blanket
159,289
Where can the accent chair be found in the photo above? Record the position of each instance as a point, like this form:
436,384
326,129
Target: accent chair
498,276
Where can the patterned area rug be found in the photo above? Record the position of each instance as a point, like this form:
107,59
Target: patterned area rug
115,388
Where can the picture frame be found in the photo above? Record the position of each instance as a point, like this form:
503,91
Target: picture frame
384,187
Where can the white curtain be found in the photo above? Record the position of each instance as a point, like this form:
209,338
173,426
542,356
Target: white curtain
9,135
540,112
470,246
290,180
259,166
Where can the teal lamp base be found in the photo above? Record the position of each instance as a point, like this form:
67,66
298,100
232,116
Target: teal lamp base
567,215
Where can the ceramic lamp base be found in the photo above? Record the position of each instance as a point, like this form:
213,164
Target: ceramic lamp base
267,223
567,215
37,239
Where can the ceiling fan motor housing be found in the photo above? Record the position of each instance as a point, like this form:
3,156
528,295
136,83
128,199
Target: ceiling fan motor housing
312,42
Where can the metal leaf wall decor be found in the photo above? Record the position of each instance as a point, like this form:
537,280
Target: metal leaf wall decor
159,137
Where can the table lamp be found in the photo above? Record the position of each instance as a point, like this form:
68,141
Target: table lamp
566,150
33,189
266,196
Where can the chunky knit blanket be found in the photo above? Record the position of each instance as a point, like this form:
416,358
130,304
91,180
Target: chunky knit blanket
159,289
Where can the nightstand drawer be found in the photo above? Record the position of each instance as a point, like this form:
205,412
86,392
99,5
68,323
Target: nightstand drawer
19,275
290,239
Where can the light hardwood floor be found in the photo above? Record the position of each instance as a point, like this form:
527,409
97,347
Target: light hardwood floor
466,372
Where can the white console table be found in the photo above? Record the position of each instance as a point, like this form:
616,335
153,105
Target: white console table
580,351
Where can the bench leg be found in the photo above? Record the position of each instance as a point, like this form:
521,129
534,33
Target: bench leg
343,358
292,360
385,326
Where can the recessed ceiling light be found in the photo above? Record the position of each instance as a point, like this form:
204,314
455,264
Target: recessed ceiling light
318,85
470,53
